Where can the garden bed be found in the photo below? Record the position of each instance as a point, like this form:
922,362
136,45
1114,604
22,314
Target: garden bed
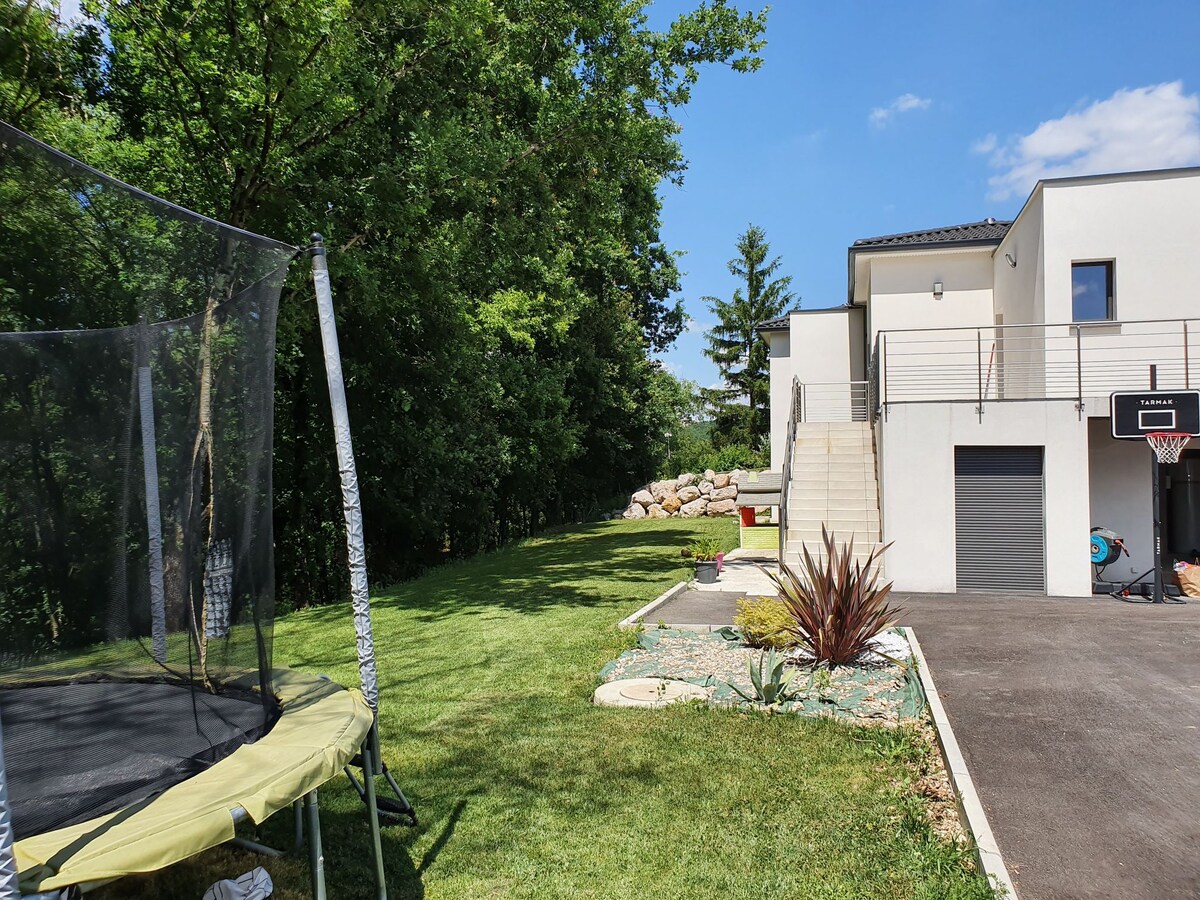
876,691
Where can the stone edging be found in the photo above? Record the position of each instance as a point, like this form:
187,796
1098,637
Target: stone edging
987,852
639,617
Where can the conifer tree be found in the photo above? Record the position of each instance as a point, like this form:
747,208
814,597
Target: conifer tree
741,406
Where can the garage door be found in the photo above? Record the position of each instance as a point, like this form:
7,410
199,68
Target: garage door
999,519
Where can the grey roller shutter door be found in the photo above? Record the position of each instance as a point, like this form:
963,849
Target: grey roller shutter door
999,519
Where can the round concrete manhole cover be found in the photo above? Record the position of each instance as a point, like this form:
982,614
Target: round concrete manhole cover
647,693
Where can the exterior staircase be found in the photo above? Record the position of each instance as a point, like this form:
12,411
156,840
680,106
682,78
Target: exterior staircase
832,482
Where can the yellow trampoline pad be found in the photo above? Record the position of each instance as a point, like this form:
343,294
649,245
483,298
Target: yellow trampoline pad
320,729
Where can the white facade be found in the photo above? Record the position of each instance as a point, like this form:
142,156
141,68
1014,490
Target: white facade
951,321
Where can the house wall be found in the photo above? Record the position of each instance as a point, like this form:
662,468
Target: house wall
820,347
917,487
1121,496
902,290
1147,226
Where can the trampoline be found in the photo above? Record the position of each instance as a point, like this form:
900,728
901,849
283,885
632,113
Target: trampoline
142,715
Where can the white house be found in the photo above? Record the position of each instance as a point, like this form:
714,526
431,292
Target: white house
958,404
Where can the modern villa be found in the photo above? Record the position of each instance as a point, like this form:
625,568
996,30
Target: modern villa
957,405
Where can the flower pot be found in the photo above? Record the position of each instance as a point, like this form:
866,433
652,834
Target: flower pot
706,571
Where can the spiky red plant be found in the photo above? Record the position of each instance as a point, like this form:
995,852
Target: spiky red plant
837,605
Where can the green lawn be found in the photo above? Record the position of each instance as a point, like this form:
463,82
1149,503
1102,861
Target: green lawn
526,790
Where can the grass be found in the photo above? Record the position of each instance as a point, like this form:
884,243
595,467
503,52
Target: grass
526,790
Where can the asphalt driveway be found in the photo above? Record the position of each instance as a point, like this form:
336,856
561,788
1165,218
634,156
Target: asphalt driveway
1080,722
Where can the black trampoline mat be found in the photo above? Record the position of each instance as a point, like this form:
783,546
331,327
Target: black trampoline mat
74,751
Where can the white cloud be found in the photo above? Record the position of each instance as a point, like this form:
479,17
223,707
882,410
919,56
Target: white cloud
985,145
1153,127
881,115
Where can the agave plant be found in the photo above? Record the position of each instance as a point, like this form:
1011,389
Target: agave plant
771,680
836,604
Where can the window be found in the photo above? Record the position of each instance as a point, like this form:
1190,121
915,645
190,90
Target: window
1092,291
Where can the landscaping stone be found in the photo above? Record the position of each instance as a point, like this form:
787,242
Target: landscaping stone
657,512
709,474
720,508
723,493
706,487
880,693
694,509
721,481
661,489
645,498
673,494
671,503
737,476
688,494
685,479
635,511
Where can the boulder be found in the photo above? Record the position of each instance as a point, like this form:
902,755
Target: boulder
685,479
688,494
635,511
738,476
662,489
723,493
693,509
644,497
721,508
709,474
671,503
657,512
706,487
721,481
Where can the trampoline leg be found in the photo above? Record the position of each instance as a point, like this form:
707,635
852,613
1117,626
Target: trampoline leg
373,819
298,820
316,857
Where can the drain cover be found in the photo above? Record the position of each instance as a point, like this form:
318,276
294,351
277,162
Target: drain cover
648,693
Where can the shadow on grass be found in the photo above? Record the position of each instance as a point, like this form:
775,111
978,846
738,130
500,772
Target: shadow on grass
586,566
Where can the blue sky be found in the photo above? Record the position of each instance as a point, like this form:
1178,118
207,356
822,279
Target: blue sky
870,118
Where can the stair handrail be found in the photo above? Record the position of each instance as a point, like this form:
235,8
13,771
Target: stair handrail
796,415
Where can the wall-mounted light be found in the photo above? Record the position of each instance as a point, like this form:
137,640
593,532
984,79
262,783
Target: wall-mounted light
1011,260
937,290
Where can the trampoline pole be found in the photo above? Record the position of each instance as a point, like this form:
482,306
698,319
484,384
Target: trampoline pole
158,605
373,816
316,854
351,500
10,889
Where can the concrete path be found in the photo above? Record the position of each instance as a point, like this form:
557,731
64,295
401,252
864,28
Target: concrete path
1080,722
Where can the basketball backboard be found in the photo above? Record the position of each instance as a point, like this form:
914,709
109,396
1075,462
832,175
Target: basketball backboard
1138,413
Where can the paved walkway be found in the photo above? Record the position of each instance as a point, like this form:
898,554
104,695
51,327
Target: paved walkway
1080,722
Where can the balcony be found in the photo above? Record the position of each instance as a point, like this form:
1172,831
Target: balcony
1003,363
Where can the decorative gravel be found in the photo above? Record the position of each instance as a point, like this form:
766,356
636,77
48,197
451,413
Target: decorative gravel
877,691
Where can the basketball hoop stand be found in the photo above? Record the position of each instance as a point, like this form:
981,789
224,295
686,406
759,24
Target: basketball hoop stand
1167,446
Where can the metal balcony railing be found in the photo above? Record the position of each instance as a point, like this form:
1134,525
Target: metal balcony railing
833,401
1067,361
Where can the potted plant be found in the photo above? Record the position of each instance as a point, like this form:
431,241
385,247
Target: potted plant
707,555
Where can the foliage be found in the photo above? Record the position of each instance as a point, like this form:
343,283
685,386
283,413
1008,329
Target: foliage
764,622
706,549
739,351
486,176
771,681
836,604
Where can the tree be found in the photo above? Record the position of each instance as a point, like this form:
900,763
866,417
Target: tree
741,408
486,175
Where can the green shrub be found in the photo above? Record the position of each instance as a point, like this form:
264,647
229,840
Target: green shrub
704,549
764,622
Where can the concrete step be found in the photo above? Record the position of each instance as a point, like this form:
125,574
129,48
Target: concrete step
834,517
836,492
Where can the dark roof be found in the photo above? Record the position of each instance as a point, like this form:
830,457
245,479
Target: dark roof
989,231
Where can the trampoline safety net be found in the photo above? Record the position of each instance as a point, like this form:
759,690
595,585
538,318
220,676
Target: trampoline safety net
136,567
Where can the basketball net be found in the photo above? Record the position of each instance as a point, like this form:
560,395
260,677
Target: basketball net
1167,444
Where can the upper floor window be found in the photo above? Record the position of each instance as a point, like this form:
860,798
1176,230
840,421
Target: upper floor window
1092,291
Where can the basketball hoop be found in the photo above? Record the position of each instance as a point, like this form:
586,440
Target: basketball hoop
1167,444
